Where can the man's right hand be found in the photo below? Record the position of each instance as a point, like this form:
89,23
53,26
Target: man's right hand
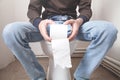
42,27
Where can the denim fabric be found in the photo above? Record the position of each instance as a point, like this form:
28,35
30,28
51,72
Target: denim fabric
102,35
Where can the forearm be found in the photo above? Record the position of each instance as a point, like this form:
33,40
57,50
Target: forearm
34,12
85,10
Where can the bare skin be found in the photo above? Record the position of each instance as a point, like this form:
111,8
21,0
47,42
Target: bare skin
75,27
75,23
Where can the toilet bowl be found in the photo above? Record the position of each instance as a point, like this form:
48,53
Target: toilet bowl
57,72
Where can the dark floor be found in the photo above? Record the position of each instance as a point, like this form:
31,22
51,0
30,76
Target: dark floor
16,72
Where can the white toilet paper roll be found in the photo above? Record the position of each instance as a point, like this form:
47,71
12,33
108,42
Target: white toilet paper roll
58,31
60,45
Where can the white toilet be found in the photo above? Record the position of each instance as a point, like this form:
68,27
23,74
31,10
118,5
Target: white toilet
57,73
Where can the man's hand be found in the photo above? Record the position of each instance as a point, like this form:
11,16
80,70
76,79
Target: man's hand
75,26
42,27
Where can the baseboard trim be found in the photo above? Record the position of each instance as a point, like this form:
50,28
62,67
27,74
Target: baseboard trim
79,52
112,65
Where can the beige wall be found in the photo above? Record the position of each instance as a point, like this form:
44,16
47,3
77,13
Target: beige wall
10,11
15,10
5,56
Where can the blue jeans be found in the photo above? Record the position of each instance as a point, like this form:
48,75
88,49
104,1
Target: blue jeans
102,35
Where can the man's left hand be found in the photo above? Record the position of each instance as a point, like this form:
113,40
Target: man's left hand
75,23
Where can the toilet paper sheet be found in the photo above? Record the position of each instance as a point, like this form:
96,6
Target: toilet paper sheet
60,45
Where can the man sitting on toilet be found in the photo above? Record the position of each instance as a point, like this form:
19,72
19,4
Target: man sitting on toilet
102,34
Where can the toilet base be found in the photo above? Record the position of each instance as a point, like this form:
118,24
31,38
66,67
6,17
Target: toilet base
57,72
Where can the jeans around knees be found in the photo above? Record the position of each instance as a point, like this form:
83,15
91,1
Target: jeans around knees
16,36
102,35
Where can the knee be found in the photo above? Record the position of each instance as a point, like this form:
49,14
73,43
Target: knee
8,31
11,33
106,28
103,29
109,29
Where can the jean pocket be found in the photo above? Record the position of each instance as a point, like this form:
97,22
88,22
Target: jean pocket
34,36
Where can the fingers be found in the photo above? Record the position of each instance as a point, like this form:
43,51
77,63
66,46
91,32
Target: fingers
44,23
75,27
50,21
73,34
43,31
42,27
71,21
